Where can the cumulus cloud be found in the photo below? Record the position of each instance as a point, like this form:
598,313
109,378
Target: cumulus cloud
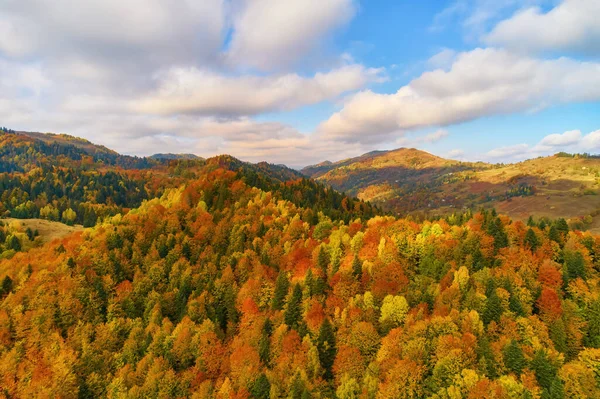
562,140
273,34
112,30
475,16
190,90
456,154
570,26
570,141
429,138
442,59
482,82
511,151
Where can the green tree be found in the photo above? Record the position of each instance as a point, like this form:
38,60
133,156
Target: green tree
264,344
261,388
544,369
592,337
13,243
513,357
493,306
323,261
531,240
6,287
282,286
293,311
326,346
357,267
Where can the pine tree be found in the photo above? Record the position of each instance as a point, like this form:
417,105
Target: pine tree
326,346
544,370
556,391
513,357
554,235
261,388
493,307
282,286
6,287
357,267
264,344
592,337
531,240
323,261
293,312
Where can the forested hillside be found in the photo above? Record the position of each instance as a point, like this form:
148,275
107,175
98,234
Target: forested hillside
218,289
408,181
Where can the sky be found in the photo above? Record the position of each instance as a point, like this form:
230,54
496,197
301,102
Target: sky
302,81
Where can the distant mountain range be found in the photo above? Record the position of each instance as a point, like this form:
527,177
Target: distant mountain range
410,181
401,181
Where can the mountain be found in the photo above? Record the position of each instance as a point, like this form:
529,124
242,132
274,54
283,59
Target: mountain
409,181
170,156
219,278
217,289
64,178
23,151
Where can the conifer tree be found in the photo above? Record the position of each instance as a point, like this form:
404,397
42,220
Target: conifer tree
326,346
293,312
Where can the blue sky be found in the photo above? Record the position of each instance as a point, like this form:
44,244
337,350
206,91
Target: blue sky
301,81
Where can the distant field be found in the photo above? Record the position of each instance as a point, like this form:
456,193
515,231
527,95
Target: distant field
48,230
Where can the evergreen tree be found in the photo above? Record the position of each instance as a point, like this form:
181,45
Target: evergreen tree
326,346
530,221
554,235
323,261
357,267
264,344
486,357
13,243
493,306
544,370
575,265
496,230
6,287
282,286
556,391
293,311
592,337
261,388
513,357
531,240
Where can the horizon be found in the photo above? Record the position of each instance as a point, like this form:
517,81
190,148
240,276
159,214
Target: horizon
301,167
469,80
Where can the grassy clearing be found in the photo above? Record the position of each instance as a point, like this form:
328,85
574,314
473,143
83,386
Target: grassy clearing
48,230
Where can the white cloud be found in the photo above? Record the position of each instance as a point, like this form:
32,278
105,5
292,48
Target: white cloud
273,34
591,142
571,26
475,16
429,138
562,140
191,90
121,31
569,141
456,154
482,82
512,151
442,60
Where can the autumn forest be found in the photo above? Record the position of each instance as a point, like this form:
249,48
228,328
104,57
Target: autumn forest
221,279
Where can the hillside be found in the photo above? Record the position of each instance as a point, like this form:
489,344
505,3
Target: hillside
412,181
220,290
176,156
67,179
